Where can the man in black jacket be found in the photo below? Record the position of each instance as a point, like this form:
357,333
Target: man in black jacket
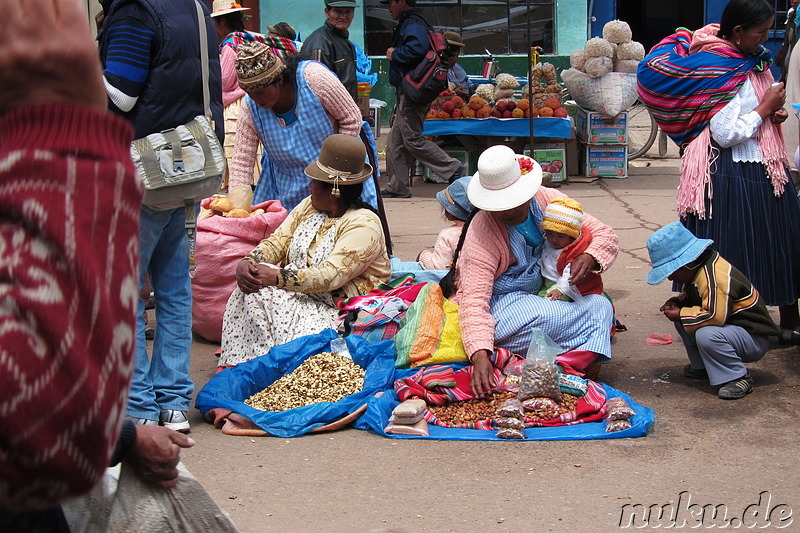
409,46
331,45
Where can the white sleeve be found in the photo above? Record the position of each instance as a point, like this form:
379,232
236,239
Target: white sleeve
738,121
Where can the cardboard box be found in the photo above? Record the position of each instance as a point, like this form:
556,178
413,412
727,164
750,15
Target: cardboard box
461,154
604,161
364,90
552,157
596,128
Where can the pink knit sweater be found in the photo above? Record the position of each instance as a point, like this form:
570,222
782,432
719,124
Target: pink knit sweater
486,254
337,102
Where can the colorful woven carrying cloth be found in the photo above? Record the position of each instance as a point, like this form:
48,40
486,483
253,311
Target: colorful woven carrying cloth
686,79
280,46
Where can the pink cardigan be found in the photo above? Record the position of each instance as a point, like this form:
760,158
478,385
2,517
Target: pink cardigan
486,254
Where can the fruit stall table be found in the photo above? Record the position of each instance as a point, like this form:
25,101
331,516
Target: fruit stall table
477,134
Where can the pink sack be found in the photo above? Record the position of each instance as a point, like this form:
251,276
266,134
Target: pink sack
221,244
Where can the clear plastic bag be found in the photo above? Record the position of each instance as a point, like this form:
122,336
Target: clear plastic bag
511,423
511,409
508,433
617,425
540,372
618,409
539,404
241,196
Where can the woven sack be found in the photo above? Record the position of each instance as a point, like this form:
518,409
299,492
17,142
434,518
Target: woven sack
610,94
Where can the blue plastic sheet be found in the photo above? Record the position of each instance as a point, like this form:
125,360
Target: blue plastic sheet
401,269
560,128
229,388
379,409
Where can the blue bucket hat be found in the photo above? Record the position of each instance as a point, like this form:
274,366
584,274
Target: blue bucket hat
671,248
454,198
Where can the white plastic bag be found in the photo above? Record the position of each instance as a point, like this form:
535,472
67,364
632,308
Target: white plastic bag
610,94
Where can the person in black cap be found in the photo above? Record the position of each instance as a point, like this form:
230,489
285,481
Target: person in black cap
409,46
331,45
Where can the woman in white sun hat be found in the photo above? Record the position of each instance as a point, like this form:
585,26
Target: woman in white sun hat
495,276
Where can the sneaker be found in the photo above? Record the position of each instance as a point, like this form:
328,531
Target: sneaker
386,193
174,420
738,388
142,421
694,373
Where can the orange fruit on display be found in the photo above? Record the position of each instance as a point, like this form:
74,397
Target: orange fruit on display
448,107
483,112
560,112
553,103
431,114
476,102
518,113
470,113
457,101
546,112
457,113
523,104
532,112
443,115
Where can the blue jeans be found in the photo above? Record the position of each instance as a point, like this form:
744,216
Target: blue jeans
162,381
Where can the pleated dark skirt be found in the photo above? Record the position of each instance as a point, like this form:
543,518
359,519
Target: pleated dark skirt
754,230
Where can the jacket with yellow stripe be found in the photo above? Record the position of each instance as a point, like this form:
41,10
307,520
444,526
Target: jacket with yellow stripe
719,295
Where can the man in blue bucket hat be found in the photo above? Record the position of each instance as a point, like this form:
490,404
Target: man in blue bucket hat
719,315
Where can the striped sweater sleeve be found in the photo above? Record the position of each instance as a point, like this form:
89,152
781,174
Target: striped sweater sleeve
713,282
69,237
131,37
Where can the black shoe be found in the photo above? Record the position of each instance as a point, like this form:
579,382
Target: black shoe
789,336
386,193
738,388
694,373
457,174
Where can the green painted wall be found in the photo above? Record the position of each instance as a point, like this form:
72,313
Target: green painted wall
306,16
571,25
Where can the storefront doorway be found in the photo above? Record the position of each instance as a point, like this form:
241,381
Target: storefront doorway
652,20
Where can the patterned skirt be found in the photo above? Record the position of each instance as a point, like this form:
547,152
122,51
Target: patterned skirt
756,231
254,323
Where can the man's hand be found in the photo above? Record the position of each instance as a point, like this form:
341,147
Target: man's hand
671,310
389,52
156,454
47,54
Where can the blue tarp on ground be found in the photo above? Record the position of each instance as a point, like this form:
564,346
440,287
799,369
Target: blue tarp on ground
378,410
229,388
559,128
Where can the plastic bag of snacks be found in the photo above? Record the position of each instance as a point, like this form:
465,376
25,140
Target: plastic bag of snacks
509,433
618,409
513,423
539,404
617,425
511,409
540,372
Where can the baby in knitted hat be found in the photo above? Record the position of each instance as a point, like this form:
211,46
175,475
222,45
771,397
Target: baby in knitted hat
565,239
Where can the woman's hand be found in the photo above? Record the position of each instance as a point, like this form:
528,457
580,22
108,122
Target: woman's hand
482,381
581,267
555,294
773,100
780,116
267,275
246,277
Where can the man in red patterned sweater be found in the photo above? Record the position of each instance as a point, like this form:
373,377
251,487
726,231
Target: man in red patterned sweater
68,272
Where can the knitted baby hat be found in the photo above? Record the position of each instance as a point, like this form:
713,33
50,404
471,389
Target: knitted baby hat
563,215
257,66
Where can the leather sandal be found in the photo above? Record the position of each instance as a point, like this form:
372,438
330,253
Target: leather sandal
789,336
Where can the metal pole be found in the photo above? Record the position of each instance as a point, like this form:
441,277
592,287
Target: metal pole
531,58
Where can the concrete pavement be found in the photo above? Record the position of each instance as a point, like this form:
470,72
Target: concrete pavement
700,451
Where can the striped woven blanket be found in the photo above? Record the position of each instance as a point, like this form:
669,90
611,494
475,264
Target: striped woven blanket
689,76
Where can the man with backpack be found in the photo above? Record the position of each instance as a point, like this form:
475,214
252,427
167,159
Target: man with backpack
410,45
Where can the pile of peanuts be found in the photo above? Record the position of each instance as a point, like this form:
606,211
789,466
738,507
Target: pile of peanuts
472,411
325,377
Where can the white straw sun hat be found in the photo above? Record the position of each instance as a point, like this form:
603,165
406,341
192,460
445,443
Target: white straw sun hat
504,180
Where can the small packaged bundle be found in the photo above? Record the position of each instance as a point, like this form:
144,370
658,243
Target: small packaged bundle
539,404
511,408
509,433
617,425
618,409
512,423
408,418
